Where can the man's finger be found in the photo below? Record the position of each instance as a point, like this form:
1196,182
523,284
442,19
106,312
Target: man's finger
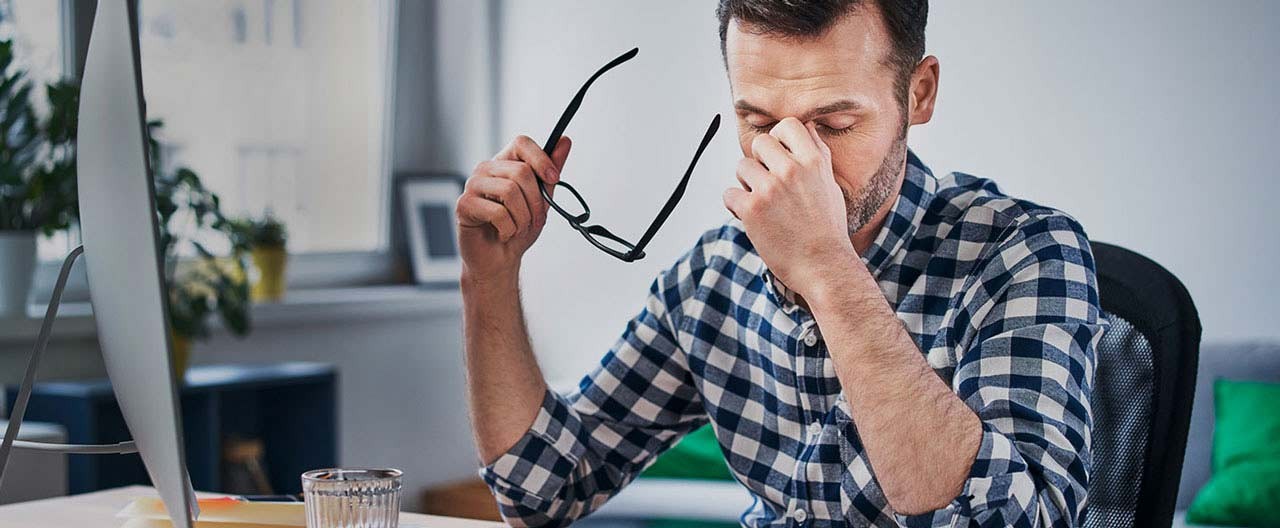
734,200
795,136
528,151
559,156
751,174
770,152
561,153
475,211
508,193
817,139
524,177
509,152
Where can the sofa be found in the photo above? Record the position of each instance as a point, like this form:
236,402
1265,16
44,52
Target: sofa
1248,361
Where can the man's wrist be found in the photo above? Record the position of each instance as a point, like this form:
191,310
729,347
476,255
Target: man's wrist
490,282
843,290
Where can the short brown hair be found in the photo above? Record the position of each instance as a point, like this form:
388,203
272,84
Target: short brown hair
905,21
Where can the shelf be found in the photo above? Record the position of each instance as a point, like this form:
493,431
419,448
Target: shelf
75,320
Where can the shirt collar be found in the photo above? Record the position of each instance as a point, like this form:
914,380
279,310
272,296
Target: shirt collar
918,188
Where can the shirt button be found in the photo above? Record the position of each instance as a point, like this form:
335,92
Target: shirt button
811,339
815,429
800,515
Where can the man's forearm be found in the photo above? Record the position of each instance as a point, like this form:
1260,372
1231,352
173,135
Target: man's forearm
505,387
920,437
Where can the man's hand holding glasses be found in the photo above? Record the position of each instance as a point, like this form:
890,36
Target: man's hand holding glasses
502,212
507,200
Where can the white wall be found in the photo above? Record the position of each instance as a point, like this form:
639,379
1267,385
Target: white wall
1149,121
1154,123
633,139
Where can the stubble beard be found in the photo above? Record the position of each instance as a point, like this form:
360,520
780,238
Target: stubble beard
861,209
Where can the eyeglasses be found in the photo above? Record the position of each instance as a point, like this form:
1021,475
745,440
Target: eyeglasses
599,236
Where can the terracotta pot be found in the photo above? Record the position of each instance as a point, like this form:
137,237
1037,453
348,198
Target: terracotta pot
270,283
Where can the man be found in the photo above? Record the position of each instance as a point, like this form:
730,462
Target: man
872,345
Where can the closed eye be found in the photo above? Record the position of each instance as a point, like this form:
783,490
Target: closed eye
824,129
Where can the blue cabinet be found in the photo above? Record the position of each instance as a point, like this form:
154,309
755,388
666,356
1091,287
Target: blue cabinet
291,407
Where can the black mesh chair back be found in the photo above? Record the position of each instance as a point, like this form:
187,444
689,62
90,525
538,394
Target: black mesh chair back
1142,393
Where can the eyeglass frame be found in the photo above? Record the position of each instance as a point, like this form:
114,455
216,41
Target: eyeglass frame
590,232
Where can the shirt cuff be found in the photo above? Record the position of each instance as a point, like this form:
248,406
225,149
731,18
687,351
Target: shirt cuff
535,469
996,478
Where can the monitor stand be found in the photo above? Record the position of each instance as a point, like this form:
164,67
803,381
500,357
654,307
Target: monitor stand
28,382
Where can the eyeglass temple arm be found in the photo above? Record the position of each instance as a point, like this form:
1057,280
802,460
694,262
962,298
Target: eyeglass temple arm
563,123
679,192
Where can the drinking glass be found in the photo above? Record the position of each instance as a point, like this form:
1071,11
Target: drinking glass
352,498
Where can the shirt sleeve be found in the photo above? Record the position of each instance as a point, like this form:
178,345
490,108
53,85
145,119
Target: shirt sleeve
1027,372
585,446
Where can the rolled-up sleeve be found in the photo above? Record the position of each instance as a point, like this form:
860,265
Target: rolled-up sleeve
584,447
1026,371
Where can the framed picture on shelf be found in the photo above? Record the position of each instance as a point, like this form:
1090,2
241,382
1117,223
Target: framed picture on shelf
427,203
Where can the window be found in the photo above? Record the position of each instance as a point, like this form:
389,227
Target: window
35,27
280,106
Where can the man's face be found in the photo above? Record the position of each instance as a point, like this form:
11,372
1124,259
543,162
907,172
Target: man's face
843,83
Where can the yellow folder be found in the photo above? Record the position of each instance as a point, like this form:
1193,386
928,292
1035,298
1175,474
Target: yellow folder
149,512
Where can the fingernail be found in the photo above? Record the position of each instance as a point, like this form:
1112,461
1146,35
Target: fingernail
554,175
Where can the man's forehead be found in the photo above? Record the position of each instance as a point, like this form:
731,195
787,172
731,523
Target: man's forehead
846,60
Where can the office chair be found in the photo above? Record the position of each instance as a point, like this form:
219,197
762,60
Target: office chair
1142,393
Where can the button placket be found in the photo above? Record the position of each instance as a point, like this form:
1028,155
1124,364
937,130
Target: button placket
810,362
810,335
804,365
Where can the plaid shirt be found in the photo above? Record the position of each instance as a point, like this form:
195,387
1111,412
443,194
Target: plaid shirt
998,293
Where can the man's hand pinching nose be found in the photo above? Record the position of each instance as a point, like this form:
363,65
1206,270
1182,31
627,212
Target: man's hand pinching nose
791,206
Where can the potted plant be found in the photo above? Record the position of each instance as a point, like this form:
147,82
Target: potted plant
37,176
266,238
191,216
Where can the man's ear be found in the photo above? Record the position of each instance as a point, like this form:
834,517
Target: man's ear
924,91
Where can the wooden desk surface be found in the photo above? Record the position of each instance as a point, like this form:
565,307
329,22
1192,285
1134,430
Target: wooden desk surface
98,509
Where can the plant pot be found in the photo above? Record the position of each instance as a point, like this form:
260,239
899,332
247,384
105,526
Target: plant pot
181,355
17,263
270,262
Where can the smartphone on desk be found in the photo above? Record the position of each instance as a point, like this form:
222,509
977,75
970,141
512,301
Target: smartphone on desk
271,498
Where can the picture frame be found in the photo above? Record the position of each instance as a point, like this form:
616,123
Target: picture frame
427,205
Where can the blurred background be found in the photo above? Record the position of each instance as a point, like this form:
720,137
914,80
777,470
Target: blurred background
1150,122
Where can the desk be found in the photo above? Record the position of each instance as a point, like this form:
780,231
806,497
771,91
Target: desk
99,509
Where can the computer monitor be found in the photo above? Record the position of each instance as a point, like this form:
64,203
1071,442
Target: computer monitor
120,235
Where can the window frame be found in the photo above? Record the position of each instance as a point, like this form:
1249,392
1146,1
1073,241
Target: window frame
307,270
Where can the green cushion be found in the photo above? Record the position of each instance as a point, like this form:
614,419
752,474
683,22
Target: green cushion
1245,487
697,456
